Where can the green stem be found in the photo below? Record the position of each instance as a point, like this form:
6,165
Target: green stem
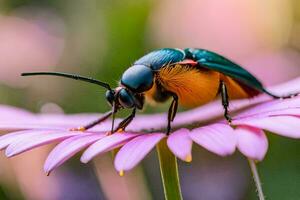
256,179
169,171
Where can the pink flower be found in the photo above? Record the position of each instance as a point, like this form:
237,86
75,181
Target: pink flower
247,133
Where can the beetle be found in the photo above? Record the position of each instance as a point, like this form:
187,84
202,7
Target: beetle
191,77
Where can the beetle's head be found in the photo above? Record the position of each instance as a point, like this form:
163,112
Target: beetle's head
122,97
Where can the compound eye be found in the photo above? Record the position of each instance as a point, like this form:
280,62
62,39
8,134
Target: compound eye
126,99
110,96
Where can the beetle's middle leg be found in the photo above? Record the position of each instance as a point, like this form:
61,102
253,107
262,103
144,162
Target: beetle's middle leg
94,123
225,101
172,112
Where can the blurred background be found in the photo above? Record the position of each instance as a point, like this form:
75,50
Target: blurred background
101,38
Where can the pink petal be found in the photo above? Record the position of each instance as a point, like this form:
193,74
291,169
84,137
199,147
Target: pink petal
49,121
148,122
75,120
32,141
288,126
7,139
68,148
200,114
274,107
180,144
24,126
217,138
252,142
13,112
135,150
106,144
290,87
288,112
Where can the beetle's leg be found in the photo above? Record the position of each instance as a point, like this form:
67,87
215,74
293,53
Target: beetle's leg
123,124
172,112
94,123
225,101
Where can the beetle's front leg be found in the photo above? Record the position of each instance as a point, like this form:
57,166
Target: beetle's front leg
225,101
94,123
123,124
172,112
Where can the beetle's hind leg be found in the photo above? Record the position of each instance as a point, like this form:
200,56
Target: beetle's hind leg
94,123
225,101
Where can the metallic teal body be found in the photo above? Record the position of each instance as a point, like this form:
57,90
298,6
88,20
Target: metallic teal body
139,77
159,58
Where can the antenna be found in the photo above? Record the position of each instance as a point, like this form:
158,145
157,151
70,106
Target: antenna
72,76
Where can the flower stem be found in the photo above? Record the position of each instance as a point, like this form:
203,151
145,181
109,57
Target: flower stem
169,171
256,179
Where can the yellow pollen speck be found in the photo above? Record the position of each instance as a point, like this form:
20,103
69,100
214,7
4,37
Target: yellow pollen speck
81,128
120,130
188,158
121,172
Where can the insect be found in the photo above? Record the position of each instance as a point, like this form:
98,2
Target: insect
190,77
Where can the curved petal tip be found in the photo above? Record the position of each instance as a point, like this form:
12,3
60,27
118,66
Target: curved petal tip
135,150
252,142
217,138
180,143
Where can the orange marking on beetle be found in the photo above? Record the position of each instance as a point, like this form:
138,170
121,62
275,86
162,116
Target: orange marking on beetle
234,89
194,87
